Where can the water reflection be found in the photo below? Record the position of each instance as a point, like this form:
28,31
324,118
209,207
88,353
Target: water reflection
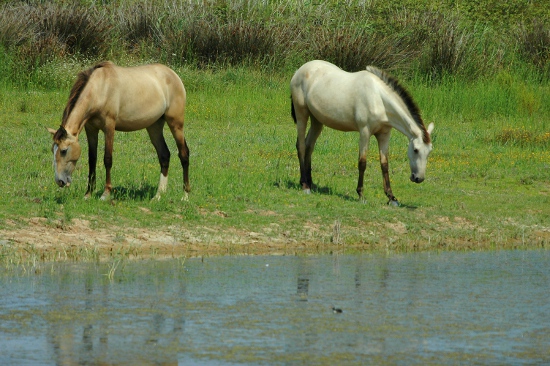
303,279
107,322
450,308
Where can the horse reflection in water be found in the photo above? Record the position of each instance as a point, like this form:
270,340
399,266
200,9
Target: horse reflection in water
93,336
370,102
108,98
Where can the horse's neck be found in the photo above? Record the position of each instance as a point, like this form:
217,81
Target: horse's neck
407,126
402,121
77,118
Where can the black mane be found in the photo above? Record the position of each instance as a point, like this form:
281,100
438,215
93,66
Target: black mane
81,81
405,96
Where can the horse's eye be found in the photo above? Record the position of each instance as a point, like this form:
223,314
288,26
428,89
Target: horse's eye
415,151
63,152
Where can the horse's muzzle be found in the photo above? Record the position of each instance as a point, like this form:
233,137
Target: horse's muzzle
416,179
63,183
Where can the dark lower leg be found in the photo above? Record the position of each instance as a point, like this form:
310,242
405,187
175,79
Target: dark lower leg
184,159
164,160
362,166
386,178
308,179
303,171
108,162
92,161
92,136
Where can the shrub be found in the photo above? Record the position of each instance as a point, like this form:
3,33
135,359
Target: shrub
140,22
437,38
534,45
15,26
452,49
78,29
40,33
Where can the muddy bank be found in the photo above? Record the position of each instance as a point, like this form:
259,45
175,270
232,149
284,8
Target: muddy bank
42,239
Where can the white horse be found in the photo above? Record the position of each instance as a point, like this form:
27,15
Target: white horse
370,102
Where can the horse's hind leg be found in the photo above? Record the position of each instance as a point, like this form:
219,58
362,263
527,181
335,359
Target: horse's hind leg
176,127
301,116
163,154
311,138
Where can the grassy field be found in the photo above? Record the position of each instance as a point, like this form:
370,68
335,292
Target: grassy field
487,187
481,76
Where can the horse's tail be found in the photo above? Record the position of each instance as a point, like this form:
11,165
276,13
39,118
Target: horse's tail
292,111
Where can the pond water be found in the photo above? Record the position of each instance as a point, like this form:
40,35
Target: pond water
400,309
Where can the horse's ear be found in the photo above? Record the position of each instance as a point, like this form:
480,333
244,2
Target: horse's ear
58,135
430,128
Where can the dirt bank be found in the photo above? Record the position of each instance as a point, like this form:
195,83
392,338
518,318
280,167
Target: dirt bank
42,239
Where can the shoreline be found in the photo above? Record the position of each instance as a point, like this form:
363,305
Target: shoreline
43,240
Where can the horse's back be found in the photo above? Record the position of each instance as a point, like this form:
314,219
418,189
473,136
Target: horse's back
138,96
155,77
333,96
311,72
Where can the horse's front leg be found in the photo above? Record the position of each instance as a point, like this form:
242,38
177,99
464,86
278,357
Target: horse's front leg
364,136
92,136
383,146
108,162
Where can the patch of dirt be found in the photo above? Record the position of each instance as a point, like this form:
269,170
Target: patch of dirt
398,227
80,239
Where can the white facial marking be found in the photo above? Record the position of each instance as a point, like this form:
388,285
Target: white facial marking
55,148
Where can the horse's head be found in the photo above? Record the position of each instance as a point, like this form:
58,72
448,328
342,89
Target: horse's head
66,152
418,156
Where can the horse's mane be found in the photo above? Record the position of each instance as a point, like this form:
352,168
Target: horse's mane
81,81
405,96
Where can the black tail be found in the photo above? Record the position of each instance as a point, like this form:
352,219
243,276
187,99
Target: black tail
292,111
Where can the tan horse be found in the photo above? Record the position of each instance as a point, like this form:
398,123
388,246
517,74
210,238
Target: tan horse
108,98
370,102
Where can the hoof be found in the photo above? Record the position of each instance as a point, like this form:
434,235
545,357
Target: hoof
307,191
393,203
105,196
185,197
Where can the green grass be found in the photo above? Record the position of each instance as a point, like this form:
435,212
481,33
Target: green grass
486,187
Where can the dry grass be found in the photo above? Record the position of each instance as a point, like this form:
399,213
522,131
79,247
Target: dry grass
275,34
522,137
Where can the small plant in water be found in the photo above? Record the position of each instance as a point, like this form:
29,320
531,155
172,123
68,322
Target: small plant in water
112,269
336,233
